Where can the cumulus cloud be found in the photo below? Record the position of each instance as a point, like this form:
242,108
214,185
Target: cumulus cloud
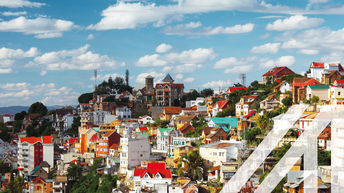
179,76
185,68
90,37
43,72
15,86
333,56
271,16
271,48
264,36
157,76
19,3
162,48
77,59
294,22
233,61
5,71
40,27
282,61
309,52
198,55
188,29
217,84
7,53
189,79
8,13
239,69
313,2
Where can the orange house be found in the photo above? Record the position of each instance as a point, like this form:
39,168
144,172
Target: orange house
106,141
168,112
299,86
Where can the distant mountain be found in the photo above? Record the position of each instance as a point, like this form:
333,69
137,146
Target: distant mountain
17,109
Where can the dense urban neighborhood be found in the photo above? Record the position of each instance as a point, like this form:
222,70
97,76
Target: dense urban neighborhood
158,137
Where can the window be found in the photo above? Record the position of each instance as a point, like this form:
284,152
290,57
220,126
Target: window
141,155
189,185
338,93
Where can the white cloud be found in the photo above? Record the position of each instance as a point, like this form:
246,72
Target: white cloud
198,55
179,76
90,37
264,36
239,69
188,29
309,52
151,60
233,61
271,48
6,63
312,2
41,27
5,71
77,59
6,53
124,15
271,16
43,72
162,48
185,68
8,13
294,22
15,86
190,79
157,76
19,3
282,61
217,84
333,56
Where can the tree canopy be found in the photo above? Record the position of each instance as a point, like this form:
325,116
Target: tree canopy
39,108
20,116
193,166
229,111
85,98
263,121
287,101
207,92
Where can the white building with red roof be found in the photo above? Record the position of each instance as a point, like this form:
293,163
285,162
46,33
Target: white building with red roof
33,151
155,173
219,106
317,69
146,119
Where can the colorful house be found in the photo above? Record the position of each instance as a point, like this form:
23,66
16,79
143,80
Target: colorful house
227,123
181,121
180,150
245,105
107,140
318,90
168,91
300,86
277,73
168,112
216,134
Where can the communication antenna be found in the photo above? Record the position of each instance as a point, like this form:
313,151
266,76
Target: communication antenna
95,79
243,79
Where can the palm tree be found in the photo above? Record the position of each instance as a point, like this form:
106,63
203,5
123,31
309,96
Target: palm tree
193,166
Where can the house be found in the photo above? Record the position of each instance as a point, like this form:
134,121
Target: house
245,123
133,150
283,86
148,177
300,86
245,105
297,179
276,73
38,171
11,162
168,112
168,91
164,139
219,106
336,94
270,103
60,184
232,89
185,128
338,82
178,151
113,149
330,76
105,106
188,187
318,90
38,184
181,121
33,151
194,102
227,123
95,117
105,142
325,139
123,112
317,70
85,134
146,119
216,134
221,151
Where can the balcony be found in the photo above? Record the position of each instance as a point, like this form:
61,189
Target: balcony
58,185
23,152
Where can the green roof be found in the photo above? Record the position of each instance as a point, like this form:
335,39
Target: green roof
319,86
223,127
96,128
162,130
35,170
231,121
163,136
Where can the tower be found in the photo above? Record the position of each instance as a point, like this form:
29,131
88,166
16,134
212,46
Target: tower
149,82
95,79
243,79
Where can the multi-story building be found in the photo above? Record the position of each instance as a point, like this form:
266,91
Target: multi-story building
245,105
317,70
336,94
276,73
318,90
164,139
168,91
133,150
168,112
105,142
94,118
123,113
219,106
33,151
147,92
85,134
300,86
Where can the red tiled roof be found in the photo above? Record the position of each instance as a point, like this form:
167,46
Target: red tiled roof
33,140
325,134
222,104
340,81
231,89
307,83
143,128
37,179
114,146
249,114
47,139
274,70
172,110
153,169
94,137
215,168
186,128
317,65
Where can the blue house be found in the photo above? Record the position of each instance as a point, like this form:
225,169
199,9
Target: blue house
227,123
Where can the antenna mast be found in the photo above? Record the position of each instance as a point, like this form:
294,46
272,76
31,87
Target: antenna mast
243,79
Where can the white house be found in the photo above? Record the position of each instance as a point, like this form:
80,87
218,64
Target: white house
221,151
194,102
8,118
34,150
68,120
283,87
123,113
134,149
164,139
148,177
318,69
146,119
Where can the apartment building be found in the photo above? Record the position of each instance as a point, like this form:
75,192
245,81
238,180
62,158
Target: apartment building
168,91
245,105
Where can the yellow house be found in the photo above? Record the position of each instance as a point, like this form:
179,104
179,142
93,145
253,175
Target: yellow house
109,127
179,151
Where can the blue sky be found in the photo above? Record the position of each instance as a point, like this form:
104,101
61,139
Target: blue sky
49,49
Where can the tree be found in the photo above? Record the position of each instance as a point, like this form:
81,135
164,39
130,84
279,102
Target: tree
251,135
111,84
108,183
207,92
279,153
127,77
39,108
119,85
193,166
287,101
315,99
238,85
4,132
263,121
255,105
74,130
20,116
214,100
17,126
110,98
229,111
289,78
74,171
85,98
51,112
16,185
154,101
